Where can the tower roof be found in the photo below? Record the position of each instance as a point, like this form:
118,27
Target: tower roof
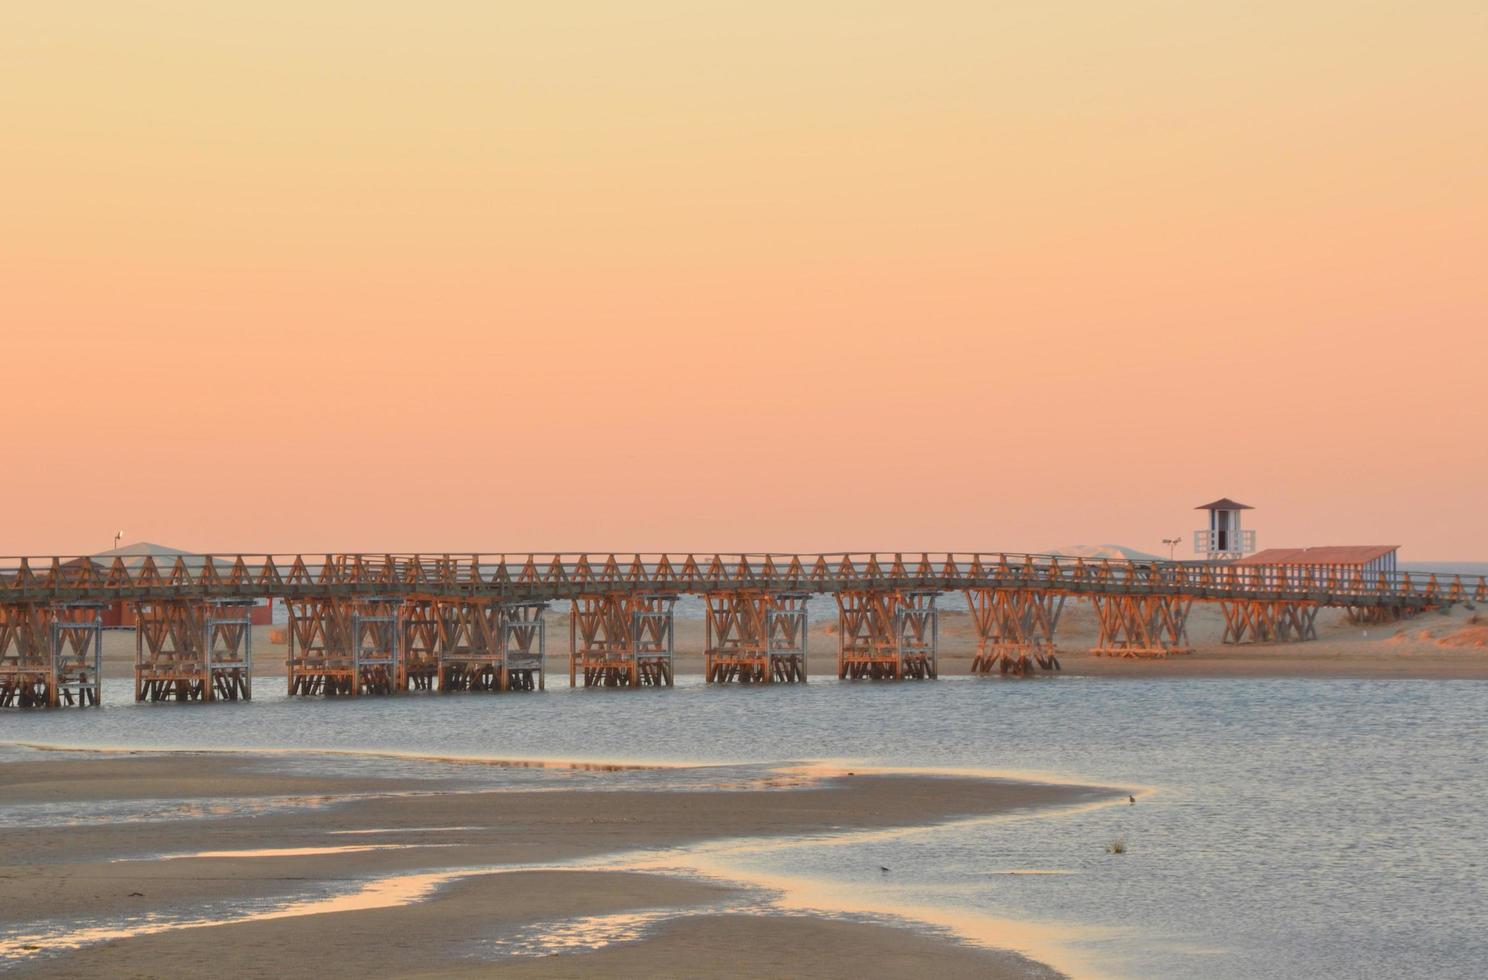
1224,503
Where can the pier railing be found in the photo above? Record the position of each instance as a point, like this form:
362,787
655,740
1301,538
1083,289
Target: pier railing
536,577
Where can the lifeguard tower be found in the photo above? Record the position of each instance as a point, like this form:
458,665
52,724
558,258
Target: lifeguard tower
1224,540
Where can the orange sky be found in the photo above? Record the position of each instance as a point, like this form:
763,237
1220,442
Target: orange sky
673,275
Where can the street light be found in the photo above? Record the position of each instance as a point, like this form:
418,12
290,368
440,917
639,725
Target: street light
1172,544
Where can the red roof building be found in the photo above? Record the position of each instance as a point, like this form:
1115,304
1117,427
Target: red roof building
122,613
1352,557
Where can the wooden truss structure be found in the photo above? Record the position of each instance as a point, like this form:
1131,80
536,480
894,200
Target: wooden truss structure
193,650
77,651
523,646
318,660
621,640
28,676
472,645
1264,621
1015,630
469,653
51,654
421,644
1141,625
887,635
369,623
377,667
755,637
341,646
387,645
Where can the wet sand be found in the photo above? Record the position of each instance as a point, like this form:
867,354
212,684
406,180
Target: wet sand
780,946
107,875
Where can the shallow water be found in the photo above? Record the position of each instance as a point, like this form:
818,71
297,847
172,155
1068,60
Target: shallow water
1296,827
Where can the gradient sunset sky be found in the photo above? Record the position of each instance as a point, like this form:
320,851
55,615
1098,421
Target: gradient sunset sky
763,275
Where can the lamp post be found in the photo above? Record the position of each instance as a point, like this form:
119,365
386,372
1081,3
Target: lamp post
1172,544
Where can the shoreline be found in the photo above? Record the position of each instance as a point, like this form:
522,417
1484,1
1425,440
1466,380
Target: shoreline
633,840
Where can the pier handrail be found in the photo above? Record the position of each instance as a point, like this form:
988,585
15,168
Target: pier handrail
555,575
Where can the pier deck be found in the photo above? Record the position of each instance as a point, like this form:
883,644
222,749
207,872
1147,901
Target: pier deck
387,623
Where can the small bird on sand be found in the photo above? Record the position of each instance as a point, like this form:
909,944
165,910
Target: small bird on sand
1131,799
883,869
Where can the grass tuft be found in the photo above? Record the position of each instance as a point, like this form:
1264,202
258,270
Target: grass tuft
1117,846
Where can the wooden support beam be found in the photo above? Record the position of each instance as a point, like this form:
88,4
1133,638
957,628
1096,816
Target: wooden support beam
866,647
917,634
470,646
524,646
340,646
786,632
1269,621
168,651
28,675
77,652
376,660
735,647
193,650
229,649
599,642
1015,630
887,635
619,639
421,642
1141,625
316,661
755,637
652,638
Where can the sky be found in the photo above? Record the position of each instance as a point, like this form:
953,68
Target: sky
786,276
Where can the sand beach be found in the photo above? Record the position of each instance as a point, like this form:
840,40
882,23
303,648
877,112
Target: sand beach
420,878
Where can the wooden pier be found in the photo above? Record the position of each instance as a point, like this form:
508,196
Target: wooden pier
365,624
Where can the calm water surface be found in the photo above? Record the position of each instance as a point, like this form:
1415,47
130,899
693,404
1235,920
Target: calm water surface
1313,828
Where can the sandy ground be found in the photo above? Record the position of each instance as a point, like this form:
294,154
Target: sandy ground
1446,644
107,874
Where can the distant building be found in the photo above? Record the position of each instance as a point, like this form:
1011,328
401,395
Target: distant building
121,613
1224,539
1332,559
